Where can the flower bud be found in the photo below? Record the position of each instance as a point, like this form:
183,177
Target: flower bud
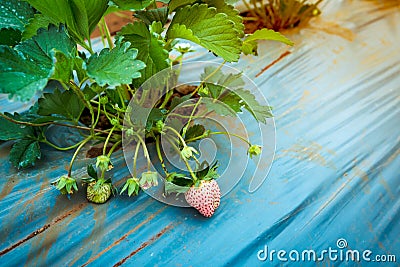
149,179
254,150
187,152
103,163
103,100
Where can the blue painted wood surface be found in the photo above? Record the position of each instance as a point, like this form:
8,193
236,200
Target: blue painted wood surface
336,174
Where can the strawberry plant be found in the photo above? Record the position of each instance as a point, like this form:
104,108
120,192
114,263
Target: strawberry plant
49,41
279,14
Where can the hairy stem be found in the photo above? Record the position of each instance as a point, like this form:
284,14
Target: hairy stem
235,135
177,134
107,31
60,148
208,77
50,123
76,154
106,142
135,159
184,160
145,151
114,147
191,116
160,156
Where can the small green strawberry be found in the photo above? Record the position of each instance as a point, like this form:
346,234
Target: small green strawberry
98,189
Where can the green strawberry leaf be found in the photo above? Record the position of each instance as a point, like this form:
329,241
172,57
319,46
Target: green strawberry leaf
250,43
194,131
14,14
259,112
175,4
28,67
155,115
133,188
209,172
92,171
151,50
229,10
24,153
115,67
63,67
19,76
79,68
132,184
34,24
149,16
66,104
170,188
13,131
267,34
210,29
227,80
228,88
80,16
156,27
9,37
132,4
218,107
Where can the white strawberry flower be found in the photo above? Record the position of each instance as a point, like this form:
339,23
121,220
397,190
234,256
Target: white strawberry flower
187,152
148,179
183,47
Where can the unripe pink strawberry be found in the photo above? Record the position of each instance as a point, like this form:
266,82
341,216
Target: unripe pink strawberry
205,198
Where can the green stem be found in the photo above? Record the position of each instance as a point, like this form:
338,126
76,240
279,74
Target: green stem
98,115
80,94
168,96
184,160
106,113
114,147
106,142
76,154
135,159
50,123
177,134
235,135
190,118
102,34
160,156
108,35
60,148
145,151
83,80
184,116
167,45
121,97
87,47
208,77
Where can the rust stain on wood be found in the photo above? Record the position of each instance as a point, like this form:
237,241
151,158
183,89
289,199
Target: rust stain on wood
145,244
124,236
8,187
273,62
42,229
